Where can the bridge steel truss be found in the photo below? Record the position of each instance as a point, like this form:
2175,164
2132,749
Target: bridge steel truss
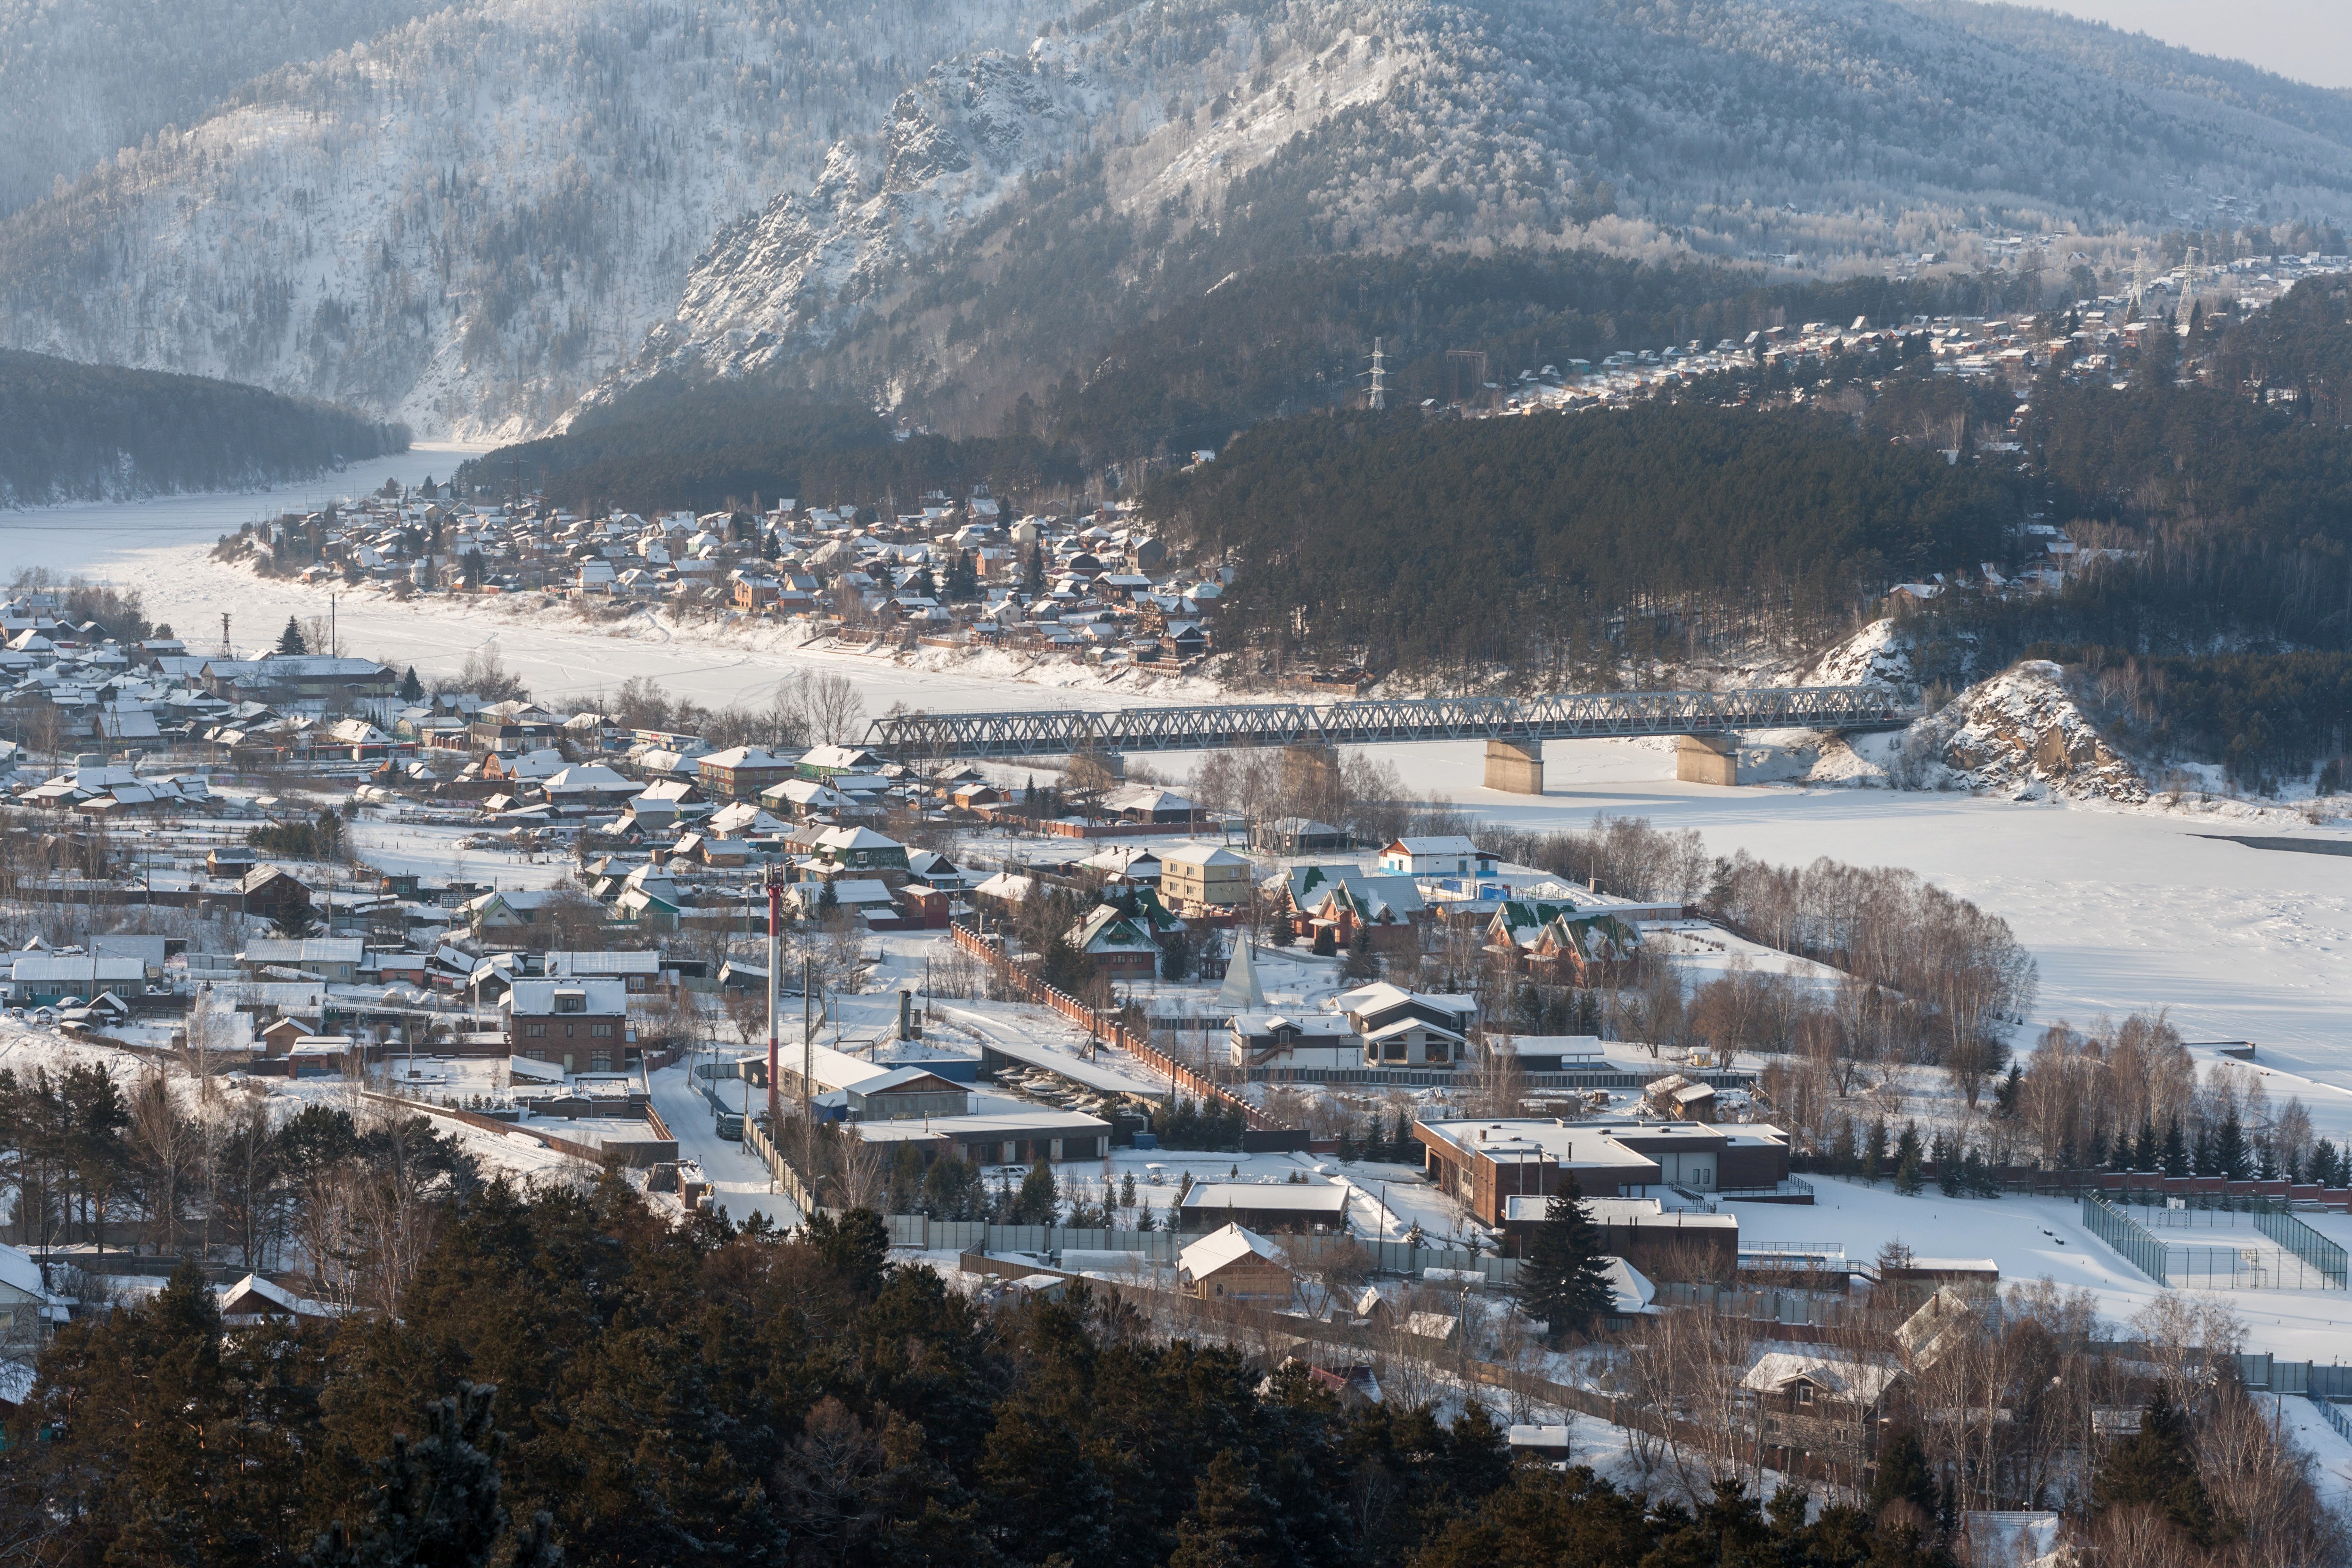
1513,720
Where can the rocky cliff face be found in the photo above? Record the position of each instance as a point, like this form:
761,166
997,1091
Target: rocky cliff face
2023,733
955,144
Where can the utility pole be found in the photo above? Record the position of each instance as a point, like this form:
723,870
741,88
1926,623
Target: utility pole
776,888
330,627
227,652
808,1051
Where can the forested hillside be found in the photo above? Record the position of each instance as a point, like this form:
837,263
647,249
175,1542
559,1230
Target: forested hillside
1562,545
671,443
81,78
82,432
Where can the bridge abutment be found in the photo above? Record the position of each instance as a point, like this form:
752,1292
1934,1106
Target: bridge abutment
1516,766
1708,759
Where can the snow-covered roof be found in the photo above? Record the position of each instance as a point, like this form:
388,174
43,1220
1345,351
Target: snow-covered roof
1861,1382
1226,1245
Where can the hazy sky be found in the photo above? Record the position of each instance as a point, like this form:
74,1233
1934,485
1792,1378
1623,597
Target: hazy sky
2310,40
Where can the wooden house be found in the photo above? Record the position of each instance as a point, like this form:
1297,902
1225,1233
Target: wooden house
1231,1264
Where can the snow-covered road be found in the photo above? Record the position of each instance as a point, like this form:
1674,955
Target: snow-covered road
736,1175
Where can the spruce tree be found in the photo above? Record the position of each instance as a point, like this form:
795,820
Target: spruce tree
2176,1149
1873,1154
1908,1181
1562,1280
411,688
2156,1468
2144,1150
1905,1476
2230,1153
1039,1199
2004,1097
289,641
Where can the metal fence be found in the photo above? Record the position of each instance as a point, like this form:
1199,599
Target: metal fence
2335,1416
2316,1250
2305,1260
2138,1245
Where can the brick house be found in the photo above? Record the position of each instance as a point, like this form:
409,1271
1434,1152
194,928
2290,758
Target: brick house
581,1026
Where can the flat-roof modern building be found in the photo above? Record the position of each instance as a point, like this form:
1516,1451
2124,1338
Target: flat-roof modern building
1485,1164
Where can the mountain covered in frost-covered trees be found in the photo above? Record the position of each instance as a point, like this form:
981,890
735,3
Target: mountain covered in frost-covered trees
472,218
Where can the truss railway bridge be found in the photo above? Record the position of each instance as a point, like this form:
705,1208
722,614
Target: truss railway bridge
1706,725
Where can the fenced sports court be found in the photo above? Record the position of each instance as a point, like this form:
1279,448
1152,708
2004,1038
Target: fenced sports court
2256,1247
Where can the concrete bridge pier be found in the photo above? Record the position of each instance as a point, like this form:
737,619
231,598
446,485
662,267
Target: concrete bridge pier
1708,759
1516,766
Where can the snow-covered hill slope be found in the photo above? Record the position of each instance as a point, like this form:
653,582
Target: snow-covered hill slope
471,218
466,220
1879,653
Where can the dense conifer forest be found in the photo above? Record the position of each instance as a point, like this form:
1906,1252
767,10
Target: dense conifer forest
83,432
715,1394
1540,542
669,443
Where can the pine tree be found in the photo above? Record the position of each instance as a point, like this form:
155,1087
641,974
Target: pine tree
2156,1467
438,1501
1908,1178
289,641
411,688
1233,1522
1562,1280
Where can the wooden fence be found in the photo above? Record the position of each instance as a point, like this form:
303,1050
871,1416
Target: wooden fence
1180,1076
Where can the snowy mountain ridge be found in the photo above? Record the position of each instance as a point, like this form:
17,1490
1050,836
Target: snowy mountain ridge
473,217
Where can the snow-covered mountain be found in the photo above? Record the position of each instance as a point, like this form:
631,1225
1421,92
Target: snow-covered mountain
474,217
469,219
1840,129
81,78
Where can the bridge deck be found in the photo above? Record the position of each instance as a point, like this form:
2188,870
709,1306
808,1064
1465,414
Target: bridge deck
1060,733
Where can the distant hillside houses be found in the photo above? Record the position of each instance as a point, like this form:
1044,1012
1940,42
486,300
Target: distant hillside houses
1096,587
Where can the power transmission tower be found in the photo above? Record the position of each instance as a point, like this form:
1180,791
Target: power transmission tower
1379,374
